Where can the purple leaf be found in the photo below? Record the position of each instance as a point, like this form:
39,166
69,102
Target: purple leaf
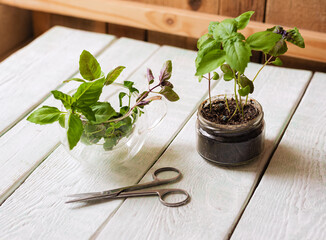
167,83
150,76
166,71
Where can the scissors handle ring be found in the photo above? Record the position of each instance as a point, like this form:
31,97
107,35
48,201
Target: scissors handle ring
164,192
167,169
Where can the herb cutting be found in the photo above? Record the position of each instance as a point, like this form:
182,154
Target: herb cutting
91,121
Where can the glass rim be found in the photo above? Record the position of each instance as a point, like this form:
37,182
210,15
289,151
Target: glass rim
224,128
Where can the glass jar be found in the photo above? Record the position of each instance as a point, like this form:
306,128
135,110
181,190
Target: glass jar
230,144
93,152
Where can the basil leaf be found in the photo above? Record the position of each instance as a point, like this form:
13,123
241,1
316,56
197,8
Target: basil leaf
225,29
150,76
263,41
87,112
215,76
277,62
62,120
89,68
209,62
113,75
103,111
45,115
110,143
64,98
92,133
74,79
237,55
212,26
88,93
244,82
169,94
203,40
279,48
244,91
75,130
166,71
243,19
293,36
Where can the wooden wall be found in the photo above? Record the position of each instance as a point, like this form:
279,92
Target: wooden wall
299,13
15,29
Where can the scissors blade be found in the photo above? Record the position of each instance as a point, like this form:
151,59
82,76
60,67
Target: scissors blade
95,195
93,198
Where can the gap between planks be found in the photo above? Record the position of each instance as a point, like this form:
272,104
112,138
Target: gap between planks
278,140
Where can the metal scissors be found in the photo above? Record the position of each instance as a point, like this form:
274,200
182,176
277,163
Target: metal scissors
129,191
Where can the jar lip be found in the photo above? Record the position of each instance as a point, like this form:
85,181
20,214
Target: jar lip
230,128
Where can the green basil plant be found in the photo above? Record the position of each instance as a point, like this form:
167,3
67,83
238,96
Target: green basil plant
89,120
223,46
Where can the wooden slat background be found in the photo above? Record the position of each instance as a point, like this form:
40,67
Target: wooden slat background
299,13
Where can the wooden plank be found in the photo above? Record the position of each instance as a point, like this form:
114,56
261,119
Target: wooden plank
40,200
18,162
290,201
15,28
30,74
44,21
302,15
41,22
218,193
234,8
180,41
163,19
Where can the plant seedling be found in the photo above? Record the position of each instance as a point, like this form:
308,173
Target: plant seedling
89,120
223,46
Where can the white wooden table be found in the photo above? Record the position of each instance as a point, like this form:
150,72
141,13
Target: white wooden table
280,196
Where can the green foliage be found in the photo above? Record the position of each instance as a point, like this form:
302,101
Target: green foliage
89,68
169,94
295,37
64,98
237,55
243,19
45,115
75,130
113,75
87,119
263,41
223,46
277,62
88,93
216,76
210,61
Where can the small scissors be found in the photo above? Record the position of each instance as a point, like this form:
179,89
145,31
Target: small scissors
128,191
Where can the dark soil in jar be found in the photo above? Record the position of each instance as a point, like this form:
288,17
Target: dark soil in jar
221,113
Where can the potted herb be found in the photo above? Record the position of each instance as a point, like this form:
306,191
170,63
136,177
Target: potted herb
93,126
230,129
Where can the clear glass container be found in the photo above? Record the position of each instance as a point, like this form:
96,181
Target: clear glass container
230,144
129,145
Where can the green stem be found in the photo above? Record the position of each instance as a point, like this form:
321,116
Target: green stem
226,103
246,100
262,68
233,114
240,103
235,94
